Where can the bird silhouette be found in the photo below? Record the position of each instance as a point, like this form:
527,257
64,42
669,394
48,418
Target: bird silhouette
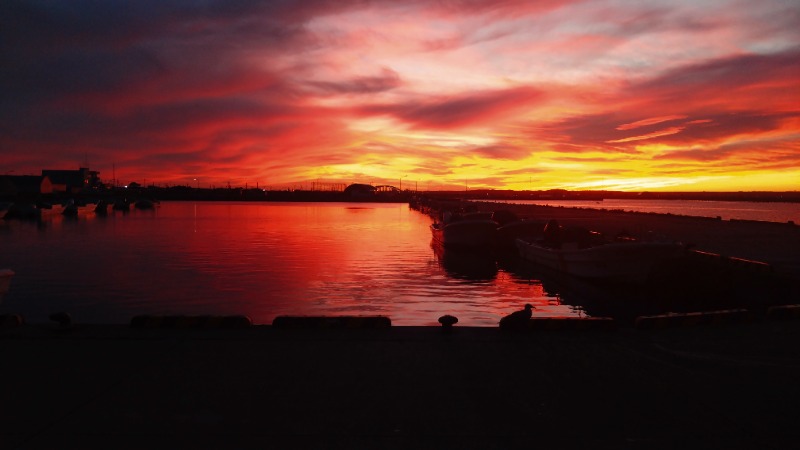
517,319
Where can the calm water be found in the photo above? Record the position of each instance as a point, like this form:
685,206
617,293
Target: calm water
261,260
771,212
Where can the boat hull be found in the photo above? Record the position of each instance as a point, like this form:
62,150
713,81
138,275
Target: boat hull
508,234
618,261
465,233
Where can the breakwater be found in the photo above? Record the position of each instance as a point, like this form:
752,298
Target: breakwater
777,244
397,388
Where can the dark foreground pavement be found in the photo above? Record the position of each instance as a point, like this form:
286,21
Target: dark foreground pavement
733,386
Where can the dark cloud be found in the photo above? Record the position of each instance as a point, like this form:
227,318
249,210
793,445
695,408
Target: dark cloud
683,106
776,154
741,82
502,151
466,109
497,7
204,87
385,81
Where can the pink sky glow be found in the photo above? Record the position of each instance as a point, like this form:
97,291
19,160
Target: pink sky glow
631,95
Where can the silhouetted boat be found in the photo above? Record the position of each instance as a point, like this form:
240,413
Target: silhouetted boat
144,203
508,234
70,209
121,205
470,230
466,264
589,255
101,208
23,211
5,281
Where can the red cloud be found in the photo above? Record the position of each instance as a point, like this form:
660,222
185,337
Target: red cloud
452,112
712,102
650,121
225,89
387,80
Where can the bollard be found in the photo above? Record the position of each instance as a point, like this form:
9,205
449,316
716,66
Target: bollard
447,322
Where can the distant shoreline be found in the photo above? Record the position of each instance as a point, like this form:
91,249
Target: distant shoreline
393,195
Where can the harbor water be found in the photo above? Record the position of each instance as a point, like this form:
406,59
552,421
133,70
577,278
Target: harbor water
257,259
264,260
726,210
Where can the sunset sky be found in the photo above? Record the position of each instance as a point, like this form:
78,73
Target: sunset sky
627,95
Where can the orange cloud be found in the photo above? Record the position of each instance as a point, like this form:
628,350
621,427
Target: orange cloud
491,91
655,134
650,121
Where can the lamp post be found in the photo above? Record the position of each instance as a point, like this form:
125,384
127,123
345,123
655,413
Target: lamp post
401,182
198,182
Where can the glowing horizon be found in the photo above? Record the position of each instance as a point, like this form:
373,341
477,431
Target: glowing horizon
560,94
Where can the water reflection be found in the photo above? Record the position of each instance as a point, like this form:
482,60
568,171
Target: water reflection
261,260
466,264
265,260
679,286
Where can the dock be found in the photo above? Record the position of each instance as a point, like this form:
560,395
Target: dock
773,243
94,386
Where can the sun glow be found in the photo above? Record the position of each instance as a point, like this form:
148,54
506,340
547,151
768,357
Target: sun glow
660,95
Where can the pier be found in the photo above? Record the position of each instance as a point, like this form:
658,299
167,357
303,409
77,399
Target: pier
714,386
724,379
777,244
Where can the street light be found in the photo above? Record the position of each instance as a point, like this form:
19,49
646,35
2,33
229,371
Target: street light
401,182
198,182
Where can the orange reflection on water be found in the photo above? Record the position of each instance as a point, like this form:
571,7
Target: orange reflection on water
261,260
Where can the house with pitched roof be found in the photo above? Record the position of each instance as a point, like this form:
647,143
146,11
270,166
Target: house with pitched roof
24,186
71,181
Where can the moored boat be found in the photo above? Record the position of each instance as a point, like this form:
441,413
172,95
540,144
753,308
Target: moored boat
24,211
508,234
101,208
70,209
469,231
466,264
593,257
144,203
121,204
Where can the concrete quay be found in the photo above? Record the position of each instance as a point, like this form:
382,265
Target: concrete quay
777,244
97,386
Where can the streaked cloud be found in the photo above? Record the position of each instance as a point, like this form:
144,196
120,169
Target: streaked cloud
575,93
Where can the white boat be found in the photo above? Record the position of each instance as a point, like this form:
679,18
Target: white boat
523,228
5,281
618,261
469,230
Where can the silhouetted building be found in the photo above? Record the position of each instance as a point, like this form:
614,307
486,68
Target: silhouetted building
386,189
359,191
72,181
30,186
